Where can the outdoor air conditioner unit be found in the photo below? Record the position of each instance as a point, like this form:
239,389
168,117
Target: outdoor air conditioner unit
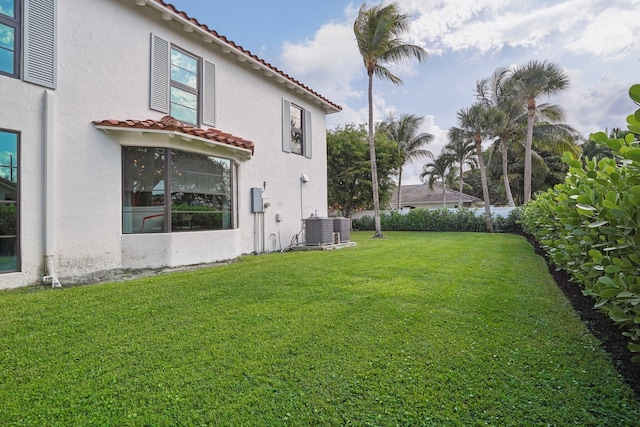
318,231
342,226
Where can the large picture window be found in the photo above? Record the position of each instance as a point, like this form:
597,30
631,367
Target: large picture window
9,185
168,190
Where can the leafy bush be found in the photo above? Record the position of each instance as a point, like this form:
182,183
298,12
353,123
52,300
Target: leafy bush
190,217
8,218
589,226
510,224
435,220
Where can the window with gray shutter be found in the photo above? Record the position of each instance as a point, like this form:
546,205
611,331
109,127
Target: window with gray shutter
296,129
306,134
159,87
40,44
286,126
182,84
208,94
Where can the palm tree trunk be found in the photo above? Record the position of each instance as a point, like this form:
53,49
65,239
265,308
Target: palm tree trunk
374,168
461,183
531,109
399,188
485,185
444,195
505,171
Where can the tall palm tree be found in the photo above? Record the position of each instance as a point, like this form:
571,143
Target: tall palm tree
498,91
405,133
461,151
536,79
438,170
477,122
378,30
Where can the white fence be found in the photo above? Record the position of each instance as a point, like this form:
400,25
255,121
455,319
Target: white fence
502,211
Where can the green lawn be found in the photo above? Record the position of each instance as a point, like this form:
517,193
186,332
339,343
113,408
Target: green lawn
416,329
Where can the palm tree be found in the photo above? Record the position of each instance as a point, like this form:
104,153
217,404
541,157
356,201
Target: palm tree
460,150
477,122
498,92
378,30
404,132
438,170
533,80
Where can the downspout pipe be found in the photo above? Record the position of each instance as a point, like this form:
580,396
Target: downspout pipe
49,211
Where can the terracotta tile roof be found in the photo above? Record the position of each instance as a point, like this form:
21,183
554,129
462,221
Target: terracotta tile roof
169,124
225,40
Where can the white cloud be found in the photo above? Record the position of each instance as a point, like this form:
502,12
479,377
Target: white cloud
613,34
597,107
601,27
329,63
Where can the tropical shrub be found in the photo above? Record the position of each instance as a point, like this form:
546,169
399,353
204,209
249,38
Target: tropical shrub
589,226
437,220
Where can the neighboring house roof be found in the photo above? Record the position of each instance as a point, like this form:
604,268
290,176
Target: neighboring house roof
422,194
170,125
169,12
11,185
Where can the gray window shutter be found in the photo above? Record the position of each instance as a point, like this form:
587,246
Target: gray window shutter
159,87
306,137
286,126
208,94
40,44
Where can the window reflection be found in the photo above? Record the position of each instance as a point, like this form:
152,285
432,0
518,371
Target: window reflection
7,48
199,188
8,8
9,201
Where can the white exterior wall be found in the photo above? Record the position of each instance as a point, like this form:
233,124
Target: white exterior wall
103,73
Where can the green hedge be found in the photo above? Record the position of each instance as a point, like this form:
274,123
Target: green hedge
589,226
438,220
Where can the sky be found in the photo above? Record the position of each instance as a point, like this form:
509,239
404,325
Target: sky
593,41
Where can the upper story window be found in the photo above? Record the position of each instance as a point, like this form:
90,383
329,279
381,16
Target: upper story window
184,87
28,45
296,129
182,84
10,30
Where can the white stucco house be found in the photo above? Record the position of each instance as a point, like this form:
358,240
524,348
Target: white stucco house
133,136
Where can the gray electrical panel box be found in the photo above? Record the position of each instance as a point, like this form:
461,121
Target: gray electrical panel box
256,200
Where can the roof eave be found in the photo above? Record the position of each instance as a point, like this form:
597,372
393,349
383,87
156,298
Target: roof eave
241,55
243,153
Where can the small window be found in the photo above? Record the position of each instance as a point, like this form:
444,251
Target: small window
296,129
9,38
170,190
9,218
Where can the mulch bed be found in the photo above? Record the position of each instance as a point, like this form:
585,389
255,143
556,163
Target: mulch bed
599,323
